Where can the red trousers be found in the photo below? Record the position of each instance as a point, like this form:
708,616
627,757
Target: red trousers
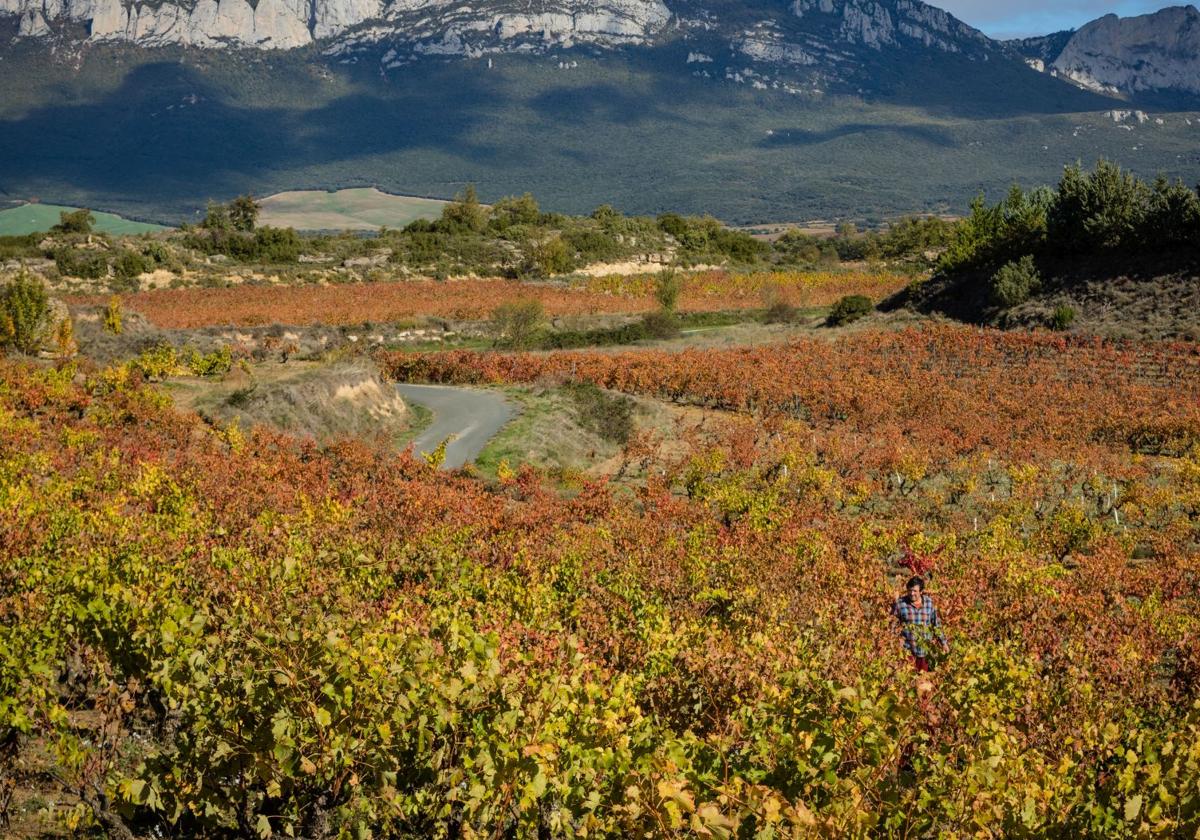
921,663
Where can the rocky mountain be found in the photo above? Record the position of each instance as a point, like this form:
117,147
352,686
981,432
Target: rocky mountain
1153,54
754,110
800,33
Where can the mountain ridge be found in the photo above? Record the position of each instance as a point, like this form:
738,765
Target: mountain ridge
1155,54
810,109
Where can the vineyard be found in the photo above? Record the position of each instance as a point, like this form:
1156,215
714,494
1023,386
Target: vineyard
217,632
352,304
942,392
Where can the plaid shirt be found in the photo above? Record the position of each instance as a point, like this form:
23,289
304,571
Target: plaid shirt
918,624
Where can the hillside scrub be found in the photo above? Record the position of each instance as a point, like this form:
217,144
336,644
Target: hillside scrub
1106,209
24,313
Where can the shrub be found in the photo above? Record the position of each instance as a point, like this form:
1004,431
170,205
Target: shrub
660,325
610,416
129,264
672,224
781,312
547,257
668,286
1062,318
1102,209
1013,284
511,211
216,363
465,213
592,245
515,324
24,313
74,221
276,245
113,320
849,309
87,265
157,363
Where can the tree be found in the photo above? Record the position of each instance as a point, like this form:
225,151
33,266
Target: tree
24,313
846,230
74,221
1173,215
1013,284
849,309
547,257
465,213
243,213
216,217
668,285
1102,209
515,324
511,211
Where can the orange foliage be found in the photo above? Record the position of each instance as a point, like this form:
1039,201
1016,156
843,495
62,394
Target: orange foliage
948,391
355,303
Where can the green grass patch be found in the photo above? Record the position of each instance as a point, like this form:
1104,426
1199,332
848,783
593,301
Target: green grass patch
39,218
353,209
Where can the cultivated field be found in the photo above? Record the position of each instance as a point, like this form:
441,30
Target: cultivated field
38,218
354,209
216,631
350,304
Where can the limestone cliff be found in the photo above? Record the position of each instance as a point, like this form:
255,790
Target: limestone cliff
1157,53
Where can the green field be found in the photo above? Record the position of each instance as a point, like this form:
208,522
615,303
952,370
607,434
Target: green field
39,218
354,209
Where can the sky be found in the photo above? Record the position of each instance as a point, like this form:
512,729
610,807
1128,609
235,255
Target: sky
1020,18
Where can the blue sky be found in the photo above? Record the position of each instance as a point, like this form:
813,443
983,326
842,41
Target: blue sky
1014,18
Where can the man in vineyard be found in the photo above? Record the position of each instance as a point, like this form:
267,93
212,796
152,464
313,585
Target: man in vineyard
919,624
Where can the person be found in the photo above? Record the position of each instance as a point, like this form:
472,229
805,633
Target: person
919,623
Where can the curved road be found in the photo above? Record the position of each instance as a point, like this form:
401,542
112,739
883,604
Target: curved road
472,417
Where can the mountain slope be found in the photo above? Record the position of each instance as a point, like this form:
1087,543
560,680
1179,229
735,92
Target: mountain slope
755,111
1153,55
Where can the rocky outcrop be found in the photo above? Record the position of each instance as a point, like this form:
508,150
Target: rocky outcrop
878,24
432,26
1159,52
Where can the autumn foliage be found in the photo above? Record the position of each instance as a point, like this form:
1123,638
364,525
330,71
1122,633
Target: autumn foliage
216,632
350,304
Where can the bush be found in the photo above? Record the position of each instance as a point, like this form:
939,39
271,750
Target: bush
511,211
465,213
516,324
24,313
548,257
87,265
660,325
113,321
668,286
74,221
1062,318
130,264
592,245
216,363
1015,283
1102,209
849,309
610,416
781,312
276,245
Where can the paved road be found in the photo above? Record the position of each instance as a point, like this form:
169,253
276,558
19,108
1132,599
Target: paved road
472,417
